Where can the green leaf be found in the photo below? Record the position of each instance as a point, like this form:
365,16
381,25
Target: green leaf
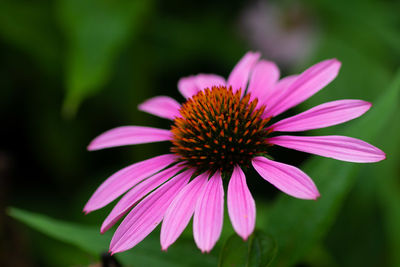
29,26
258,251
84,237
386,179
297,224
96,31
88,238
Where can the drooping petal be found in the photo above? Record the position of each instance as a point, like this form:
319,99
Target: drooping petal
161,106
135,194
187,86
209,80
286,178
307,84
241,205
143,218
209,214
240,74
123,180
129,135
327,114
263,79
332,146
181,210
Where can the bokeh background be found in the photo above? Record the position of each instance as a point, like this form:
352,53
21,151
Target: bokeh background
72,69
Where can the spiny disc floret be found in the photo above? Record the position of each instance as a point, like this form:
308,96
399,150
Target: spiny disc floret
219,128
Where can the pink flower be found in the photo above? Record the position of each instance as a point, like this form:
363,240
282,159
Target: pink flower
222,128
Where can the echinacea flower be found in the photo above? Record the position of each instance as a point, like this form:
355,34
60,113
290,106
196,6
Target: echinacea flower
221,129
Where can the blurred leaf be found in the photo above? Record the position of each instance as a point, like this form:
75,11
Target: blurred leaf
96,31
297,224
258,251
147,253
349,17
357,238
319,256
29,26
369,220
386,178
349,31
84,237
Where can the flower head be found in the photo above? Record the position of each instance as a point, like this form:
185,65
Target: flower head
222,128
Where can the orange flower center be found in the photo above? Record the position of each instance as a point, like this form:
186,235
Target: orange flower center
218,129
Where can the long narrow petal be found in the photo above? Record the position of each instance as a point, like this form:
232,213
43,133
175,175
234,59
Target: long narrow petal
187,86
143,218
241,205
263,79
135,194
161,106
209,80
181,210
240,74
209,214
129,135
272,97
123,180
286,178
332,146
327,114
307,84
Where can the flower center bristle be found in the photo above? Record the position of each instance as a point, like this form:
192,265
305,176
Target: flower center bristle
219,129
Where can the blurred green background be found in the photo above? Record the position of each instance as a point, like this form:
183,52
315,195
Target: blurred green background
72,69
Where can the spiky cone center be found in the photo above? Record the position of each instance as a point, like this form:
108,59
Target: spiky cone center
218,129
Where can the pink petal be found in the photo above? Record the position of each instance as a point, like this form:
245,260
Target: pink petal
209,214
332,146
286,178
263,79
129,135
143,218
135,194
187,86
181,210
272,97
123,180
324,115
307,84
204,81
240,74
161,106
241,205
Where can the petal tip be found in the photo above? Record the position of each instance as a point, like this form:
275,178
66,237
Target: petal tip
112,250
336,61
205,251
244,237
86,210
317,196
92,146
380,155
103,230
141,106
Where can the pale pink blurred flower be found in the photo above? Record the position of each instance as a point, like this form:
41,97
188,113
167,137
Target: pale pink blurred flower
286,34
220,129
